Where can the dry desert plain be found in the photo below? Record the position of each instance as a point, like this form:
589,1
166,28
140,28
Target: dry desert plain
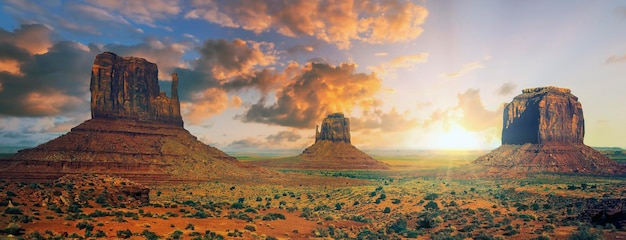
424,195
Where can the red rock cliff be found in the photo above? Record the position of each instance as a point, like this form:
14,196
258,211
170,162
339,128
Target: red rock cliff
542,115
128,88
335,128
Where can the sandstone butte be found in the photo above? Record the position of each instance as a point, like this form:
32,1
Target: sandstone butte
542,131
135,132
332,148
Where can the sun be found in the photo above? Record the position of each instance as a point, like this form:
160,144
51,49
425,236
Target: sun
456,138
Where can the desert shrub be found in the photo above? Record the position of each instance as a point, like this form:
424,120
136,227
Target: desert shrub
359,218
320,232
13,229
84,225
200,214
237,205
250,227
583,232
429,220
235,233
387,210
11,194
124,233
35,235
395,201
176,234
149,235
190,226
431,196
399,226
431,205
273,216
271,238
100,234
13,210
306,213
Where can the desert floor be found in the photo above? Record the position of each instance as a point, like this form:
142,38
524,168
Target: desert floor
426,195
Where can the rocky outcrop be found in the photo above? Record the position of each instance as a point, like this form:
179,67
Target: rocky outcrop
543,130
128,88
542,115
335,128
135,132
332,149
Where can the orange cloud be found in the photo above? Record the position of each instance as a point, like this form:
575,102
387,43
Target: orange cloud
35,38
210,102
335,21
229,59
615,59
51,103
399,62
468,67
316,89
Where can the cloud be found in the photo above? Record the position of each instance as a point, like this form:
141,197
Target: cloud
468,67
283,136
315,90
167,54
228,59
205,104
506,88
615,59
399,62
300,48
34,38
50,83
334,21
381,54
141,11
474,116
246,143
391,121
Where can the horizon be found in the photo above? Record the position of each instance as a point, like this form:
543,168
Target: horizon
414,75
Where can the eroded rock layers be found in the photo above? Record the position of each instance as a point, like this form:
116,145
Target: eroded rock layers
332,148
135,132
128,88
543,130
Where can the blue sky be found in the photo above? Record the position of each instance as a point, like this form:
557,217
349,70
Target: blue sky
260,74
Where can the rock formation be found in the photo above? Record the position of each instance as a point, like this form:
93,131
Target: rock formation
135,132
128,88
335,128
543,115
543,130
332,149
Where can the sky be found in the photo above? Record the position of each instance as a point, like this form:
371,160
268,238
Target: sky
260,74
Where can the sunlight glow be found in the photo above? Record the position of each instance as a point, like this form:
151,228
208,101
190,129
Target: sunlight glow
457,138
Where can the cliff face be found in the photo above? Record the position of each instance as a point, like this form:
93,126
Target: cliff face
542,115
135,132
543,130
128,88
335,128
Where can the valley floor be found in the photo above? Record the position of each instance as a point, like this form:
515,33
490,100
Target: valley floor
419,197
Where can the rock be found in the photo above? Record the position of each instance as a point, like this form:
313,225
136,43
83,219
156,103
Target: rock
543,130
332,149
135,132
128,88
335,128
541,115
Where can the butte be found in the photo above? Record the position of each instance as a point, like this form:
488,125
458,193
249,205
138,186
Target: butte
332,150
542,131
135,131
